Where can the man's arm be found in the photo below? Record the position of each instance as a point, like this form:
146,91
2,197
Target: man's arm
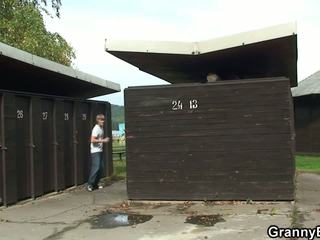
94,139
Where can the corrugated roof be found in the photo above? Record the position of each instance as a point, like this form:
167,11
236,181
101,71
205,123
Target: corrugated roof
308,86
268,52
22,71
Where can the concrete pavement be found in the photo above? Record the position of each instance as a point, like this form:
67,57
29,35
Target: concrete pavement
307,207
73,214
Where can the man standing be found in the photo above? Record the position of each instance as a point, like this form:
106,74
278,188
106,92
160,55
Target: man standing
96,149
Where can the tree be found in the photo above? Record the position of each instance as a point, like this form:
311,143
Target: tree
117,113
22,26
42,5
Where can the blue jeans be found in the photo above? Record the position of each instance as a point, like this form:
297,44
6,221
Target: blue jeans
97,167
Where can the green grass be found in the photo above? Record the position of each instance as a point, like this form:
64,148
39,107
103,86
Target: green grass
310,163
117,144
119,167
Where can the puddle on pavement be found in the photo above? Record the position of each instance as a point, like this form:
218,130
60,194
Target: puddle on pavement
205,220
113,220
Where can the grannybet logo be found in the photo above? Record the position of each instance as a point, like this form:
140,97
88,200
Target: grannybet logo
307,233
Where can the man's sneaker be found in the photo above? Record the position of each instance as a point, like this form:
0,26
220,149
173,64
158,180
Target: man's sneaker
98,186
89,189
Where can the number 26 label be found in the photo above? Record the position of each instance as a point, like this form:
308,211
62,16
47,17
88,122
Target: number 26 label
19,114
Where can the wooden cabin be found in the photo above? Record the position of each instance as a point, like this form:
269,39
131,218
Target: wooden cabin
223,130
307,114
46,124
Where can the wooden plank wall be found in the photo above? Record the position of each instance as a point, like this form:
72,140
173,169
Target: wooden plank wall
307,123
229,140
45,143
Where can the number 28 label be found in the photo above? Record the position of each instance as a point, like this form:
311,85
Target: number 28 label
66,116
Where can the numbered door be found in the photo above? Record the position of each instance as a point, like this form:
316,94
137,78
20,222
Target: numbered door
22,138
83,133
68,144
38,160
1,182
2,151
59,146
9,163
47,145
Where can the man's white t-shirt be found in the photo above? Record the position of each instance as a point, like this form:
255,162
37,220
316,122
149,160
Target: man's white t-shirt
97,132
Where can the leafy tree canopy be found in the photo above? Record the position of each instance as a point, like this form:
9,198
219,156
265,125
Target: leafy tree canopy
42,5
117,114
22,26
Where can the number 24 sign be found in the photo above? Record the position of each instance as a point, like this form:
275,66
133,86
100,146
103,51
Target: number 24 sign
178,105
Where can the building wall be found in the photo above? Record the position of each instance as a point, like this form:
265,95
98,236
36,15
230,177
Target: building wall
307,123
222,141
45,143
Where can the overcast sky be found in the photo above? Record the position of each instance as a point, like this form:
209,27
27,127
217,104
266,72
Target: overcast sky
86,24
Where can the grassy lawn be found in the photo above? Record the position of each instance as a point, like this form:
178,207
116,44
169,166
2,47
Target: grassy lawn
309,163
119,167
117,144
